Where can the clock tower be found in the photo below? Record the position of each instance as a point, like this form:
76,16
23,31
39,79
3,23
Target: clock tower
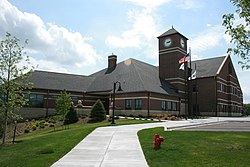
173,47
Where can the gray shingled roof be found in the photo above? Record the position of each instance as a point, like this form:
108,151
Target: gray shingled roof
60,81
170,32
207,67
135,76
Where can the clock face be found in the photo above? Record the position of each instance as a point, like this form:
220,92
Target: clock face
182,43
167,42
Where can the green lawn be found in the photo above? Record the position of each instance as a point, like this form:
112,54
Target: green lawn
44,147
186,148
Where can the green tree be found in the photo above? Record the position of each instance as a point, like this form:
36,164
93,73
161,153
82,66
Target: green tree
71,116
14,70
98,111
246,109
239,32
63,103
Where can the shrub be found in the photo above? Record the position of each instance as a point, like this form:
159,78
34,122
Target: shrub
98,112
26,130
52,121
41,126
71,116
35,124
42,121
33,127
46,124
51,125
140,116
173,118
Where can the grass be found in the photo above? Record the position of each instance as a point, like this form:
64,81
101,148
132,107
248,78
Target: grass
205,149
44,147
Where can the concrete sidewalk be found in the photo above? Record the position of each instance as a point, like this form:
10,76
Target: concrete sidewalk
118,146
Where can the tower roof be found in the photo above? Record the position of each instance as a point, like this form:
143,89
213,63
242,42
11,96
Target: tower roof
171,32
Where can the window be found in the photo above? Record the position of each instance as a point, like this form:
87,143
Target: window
138,104
34,100
224,88
163,105
174,106
74,98
169,105
128,104
224,108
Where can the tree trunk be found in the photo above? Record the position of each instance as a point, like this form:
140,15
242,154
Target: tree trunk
4,128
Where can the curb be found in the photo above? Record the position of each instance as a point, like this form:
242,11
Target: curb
192,126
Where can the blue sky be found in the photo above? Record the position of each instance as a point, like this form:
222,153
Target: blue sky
77,36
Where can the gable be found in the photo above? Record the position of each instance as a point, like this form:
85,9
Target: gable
227,71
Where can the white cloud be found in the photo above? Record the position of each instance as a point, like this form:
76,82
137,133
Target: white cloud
244,81
56,45
190,4
149,4
49,66
143,30
227,38
207,39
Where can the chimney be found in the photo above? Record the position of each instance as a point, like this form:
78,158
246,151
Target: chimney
112,62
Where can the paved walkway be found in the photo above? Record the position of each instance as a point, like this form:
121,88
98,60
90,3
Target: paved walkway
118,146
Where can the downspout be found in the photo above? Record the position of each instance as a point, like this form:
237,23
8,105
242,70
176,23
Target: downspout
148,104
47,104
179,107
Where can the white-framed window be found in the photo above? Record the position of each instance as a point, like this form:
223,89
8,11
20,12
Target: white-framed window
174,106
163,105
138,104
169,105
128,104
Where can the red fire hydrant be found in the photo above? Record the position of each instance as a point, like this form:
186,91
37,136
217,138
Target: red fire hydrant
157,141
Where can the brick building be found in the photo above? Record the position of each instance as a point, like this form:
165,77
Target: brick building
146,89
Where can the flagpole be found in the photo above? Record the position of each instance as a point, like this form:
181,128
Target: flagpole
190,62
196,92
190,101
183,61
186,98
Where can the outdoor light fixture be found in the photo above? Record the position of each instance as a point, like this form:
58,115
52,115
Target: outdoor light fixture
118,90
